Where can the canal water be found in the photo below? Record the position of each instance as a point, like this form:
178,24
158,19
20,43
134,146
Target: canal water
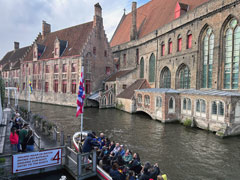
182,153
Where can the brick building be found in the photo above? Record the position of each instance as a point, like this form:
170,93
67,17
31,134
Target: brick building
184,44
53,62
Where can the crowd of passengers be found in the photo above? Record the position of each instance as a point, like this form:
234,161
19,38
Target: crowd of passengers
21,136
119,162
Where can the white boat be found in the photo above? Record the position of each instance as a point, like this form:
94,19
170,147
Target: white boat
101,173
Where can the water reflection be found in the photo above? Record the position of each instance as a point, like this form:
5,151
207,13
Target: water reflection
182,153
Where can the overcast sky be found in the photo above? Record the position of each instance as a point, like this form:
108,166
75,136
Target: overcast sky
21,20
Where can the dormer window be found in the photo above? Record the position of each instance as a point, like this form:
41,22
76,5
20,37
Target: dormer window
59,47
180,9
38,50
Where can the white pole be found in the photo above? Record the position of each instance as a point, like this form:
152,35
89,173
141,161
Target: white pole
28,98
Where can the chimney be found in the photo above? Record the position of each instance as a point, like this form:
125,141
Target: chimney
97,19
16,45
133,35
46,28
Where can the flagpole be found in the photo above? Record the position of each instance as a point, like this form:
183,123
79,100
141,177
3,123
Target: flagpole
82,72
29,98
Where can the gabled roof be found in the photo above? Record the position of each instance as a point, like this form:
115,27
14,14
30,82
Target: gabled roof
118,74
150,17
129,91
75,37
13,57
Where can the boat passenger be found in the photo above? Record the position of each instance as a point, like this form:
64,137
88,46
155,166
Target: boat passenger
121,151
115,173
111,146
90,143
131,175
127,157
150,172
116,149
135,164
22,134
101,140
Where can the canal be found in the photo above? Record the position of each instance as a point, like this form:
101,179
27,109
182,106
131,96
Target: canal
183,153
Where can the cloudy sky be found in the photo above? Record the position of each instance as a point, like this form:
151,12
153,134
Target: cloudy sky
21,20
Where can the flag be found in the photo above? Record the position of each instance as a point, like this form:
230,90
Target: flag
30,87
81,96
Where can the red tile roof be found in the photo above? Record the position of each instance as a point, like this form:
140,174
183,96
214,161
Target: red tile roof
150,17
118,75
14,58
129,92
75,36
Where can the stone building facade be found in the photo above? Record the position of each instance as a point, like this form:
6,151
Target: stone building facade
182,45
54,60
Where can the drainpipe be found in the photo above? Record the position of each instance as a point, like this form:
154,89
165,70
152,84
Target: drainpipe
156,33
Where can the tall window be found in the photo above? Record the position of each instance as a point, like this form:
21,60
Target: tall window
110,99
47,68
55,68
74,66
231,63
165,78
158,102
142,68
169,46
208,46
189,40
74,86
146,100
179,47
184,77
64,86
171,105
34,84
152,68
125,59
88,90
162,49
64,68
39,84
218,108
46,86
139,98
200,107
137,56
55,86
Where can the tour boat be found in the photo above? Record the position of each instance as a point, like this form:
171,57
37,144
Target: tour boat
101,173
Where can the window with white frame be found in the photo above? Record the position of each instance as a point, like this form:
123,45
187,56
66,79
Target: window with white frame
158,102
146,100
139,98
217,108
186,106
200,108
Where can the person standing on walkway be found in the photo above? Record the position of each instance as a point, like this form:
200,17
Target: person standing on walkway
29,141
22,134
14,139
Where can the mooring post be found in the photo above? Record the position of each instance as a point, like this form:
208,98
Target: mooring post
69,141
62,138
95,160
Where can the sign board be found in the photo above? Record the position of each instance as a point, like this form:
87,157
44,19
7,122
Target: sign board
36,160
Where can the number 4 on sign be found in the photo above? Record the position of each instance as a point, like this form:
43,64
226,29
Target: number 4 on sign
56,157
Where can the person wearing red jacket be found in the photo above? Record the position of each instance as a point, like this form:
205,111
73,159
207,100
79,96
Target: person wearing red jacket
14,139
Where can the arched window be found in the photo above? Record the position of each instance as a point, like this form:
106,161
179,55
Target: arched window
139,98
170,46
220,109
162,49
146,100
110,99
158,102
198,105
189,104
179,43
203,108
165,78
184,104
208,46
171,105
152,68
184,77
104,100
231,62
142,68
214,108
189,40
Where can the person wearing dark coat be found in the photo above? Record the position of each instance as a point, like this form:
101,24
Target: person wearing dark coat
150,172
115,174
135,164
89,143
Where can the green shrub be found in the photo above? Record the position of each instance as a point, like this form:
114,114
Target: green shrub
119,105
187,122
2,160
